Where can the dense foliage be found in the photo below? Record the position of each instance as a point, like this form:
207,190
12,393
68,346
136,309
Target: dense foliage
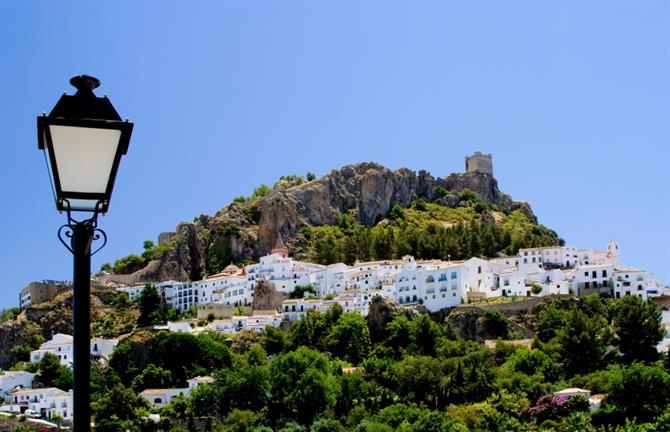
340,371
429,231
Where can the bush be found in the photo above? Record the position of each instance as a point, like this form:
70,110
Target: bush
468,195
128,264
440,192
397,213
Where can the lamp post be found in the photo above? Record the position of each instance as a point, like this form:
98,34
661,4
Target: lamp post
83,139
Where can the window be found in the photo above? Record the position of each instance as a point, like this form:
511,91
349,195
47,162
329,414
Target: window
479,269
586,285
604,273
454,275
586,274
594,274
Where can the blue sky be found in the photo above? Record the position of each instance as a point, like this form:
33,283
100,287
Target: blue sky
572,99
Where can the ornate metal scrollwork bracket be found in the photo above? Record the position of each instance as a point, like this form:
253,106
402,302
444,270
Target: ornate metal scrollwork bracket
66,232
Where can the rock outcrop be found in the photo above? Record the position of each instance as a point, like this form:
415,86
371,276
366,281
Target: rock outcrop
266,297
369,190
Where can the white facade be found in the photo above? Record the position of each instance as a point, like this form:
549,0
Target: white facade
60,345
47,401
636,282
9,380
133,292
434,284
161,397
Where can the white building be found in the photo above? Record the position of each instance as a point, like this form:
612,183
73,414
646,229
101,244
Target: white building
593,278
47,401
133,292
60,345
434,284
636,282
161,397
9,380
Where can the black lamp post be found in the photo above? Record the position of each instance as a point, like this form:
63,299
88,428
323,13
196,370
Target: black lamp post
83,139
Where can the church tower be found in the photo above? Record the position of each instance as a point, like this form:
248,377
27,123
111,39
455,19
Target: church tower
613,251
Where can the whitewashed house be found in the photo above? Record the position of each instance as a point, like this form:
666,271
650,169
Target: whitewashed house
59,403
10,380
60,345
161,397
636,282
199,380
47,401
133,292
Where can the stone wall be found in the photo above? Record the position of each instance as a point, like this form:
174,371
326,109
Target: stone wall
479,162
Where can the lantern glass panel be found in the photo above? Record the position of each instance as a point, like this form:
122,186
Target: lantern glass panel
80,204
84,158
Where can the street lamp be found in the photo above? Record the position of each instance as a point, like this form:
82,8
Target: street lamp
83,139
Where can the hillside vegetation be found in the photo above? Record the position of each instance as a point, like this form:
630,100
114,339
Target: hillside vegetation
428,231
397,370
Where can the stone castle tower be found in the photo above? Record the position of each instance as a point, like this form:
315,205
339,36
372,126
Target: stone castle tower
479,162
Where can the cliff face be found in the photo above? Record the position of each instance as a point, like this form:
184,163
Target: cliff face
369,189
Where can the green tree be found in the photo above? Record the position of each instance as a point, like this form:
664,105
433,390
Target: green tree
239,421
326,425
310,176
275,340
425,334
419,378
302,384
128,264
399,332
350,338
150,306
549,322
641,391
51,373
120,403
583,342
152,377
637,326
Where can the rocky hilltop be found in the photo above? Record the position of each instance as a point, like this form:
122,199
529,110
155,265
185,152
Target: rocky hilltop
367,190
